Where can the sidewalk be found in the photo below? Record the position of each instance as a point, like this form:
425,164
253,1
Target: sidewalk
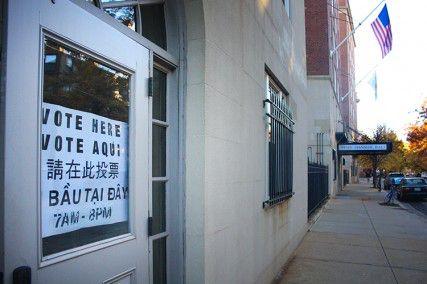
355,240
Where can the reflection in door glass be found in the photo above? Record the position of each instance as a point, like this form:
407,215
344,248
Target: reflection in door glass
84,149
126,15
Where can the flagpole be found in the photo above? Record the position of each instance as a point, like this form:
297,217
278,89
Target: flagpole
368,73
360,81
332,52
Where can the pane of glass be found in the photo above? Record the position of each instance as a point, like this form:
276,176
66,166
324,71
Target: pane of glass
159,207
84,149
126,15
159,151
153,24
159,95
159,261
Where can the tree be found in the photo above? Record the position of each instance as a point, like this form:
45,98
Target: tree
417,141
395,161
75,80
417,152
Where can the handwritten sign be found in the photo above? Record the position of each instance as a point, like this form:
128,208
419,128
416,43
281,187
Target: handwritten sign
84,170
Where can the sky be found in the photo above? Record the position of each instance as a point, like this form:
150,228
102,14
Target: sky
401,76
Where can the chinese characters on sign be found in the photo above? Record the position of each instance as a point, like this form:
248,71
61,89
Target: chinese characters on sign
84,178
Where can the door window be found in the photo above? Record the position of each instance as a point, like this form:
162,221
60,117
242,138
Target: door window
160,178
84,149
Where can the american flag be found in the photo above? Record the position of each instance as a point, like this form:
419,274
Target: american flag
382,30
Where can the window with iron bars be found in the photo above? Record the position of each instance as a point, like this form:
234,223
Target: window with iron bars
280,129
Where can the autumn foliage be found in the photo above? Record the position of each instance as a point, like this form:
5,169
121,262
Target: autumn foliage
405,157
392,162
417,150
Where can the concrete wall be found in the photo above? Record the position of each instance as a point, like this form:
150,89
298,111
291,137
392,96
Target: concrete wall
347,81
230,238
324,118
194,114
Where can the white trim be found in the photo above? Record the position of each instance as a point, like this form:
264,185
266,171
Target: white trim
160,122
158,236
79,251
165,178
115,279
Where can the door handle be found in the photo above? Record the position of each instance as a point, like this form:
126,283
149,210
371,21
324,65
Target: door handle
22,275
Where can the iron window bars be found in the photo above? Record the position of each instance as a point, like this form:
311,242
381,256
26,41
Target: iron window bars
319,148
280,130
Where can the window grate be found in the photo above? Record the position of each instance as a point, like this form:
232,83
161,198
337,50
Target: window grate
280,125
319,148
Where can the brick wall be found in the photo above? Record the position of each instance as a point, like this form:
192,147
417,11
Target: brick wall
317,45
346,68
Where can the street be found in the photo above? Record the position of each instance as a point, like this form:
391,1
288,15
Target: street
419,205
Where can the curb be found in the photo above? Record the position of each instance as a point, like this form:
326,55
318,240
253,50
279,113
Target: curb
411,209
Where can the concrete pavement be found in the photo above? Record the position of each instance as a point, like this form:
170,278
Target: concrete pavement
355,240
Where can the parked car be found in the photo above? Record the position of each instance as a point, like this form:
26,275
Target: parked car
393,179
412,187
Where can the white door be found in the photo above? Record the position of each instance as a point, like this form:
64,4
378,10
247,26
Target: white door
76,154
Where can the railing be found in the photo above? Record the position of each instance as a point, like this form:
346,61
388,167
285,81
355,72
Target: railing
317,186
